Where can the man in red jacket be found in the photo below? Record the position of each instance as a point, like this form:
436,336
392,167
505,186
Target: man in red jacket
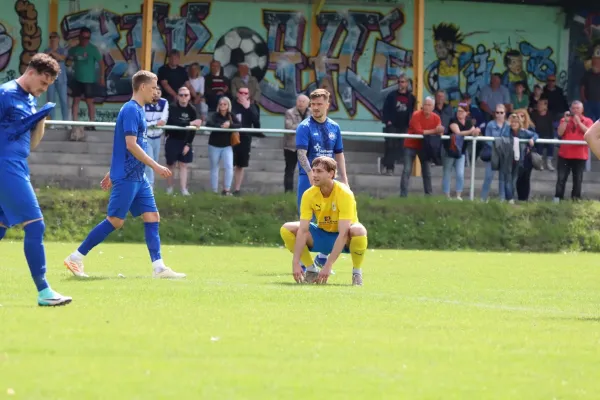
572,157
422,122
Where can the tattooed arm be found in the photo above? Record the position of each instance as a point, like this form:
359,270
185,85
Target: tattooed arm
303,161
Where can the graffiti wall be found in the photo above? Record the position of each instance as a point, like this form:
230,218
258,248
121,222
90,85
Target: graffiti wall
584,48
355,52
521,43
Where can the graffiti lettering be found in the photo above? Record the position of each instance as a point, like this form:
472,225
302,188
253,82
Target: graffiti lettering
539,64
479,71
6,47
31,33
285,35
357,26
347,31
186,33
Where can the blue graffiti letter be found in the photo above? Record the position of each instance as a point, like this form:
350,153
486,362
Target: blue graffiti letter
539,64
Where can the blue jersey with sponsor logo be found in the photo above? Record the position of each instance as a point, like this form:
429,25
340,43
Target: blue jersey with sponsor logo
131,121
318,139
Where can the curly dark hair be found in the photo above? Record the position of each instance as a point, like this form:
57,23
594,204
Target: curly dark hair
44,64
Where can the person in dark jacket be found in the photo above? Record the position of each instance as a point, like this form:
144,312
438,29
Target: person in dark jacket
249,116
397,110
178,146
219,145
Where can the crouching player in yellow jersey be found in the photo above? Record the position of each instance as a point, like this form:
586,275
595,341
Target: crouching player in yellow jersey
336,230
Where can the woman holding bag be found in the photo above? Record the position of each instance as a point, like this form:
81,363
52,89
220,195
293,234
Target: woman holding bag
220,145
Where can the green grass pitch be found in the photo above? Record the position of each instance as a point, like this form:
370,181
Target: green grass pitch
426,325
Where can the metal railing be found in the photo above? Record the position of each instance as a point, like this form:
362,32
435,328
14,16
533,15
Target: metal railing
346,134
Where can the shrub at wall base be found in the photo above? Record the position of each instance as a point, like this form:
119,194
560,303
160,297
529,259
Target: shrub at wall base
412,223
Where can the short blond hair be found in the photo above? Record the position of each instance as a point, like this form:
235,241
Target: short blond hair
328,163
142,77
315,94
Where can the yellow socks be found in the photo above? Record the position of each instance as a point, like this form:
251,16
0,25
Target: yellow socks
358,248
289,239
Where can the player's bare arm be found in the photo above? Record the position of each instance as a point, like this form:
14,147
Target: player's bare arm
303,161
592,137
141,155
341,162
338,247
37,134
301,240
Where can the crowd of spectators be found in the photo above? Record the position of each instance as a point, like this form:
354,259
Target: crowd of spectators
189,98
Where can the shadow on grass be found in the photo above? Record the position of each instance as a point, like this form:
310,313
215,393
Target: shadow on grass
313,284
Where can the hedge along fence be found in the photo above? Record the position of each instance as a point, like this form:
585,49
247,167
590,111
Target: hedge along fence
409,223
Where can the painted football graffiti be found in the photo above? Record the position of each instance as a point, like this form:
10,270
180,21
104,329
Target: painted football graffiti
239,45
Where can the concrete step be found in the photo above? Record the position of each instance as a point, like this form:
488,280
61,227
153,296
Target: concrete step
272,142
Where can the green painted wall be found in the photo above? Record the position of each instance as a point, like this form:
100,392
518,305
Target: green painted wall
358,48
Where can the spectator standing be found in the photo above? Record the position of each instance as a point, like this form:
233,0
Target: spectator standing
460,125
557,101
544,126
59,88
519,98
521,177
220,146
85,56
443,109
397,110
216,85
572,157
243,78
249,116
178,146
197,84
293,117
422,122
493,95
496,128
157,115
534,97
173,76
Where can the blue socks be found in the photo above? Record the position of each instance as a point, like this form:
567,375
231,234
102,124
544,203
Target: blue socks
152,240
2,232
35,254
96,236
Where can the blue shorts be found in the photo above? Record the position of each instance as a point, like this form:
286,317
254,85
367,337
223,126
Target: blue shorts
129,196
323,241
18,202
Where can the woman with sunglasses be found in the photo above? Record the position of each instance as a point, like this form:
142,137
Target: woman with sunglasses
521,150
453,150
495,128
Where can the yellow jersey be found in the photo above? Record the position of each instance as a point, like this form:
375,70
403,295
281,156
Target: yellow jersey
340,205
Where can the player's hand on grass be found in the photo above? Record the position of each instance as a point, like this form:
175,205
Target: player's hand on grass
323,275
106,183
162,171
297,271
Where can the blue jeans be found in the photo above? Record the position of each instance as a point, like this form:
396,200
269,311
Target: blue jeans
487,183
216,154
153,151
60,88
459,167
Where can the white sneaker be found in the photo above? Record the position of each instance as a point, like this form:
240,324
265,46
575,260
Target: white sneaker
75,266
168,273
169,190
184,192
459,198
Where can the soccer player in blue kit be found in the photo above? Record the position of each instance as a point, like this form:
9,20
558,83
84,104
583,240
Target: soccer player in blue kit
131,191
19,135
318,136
